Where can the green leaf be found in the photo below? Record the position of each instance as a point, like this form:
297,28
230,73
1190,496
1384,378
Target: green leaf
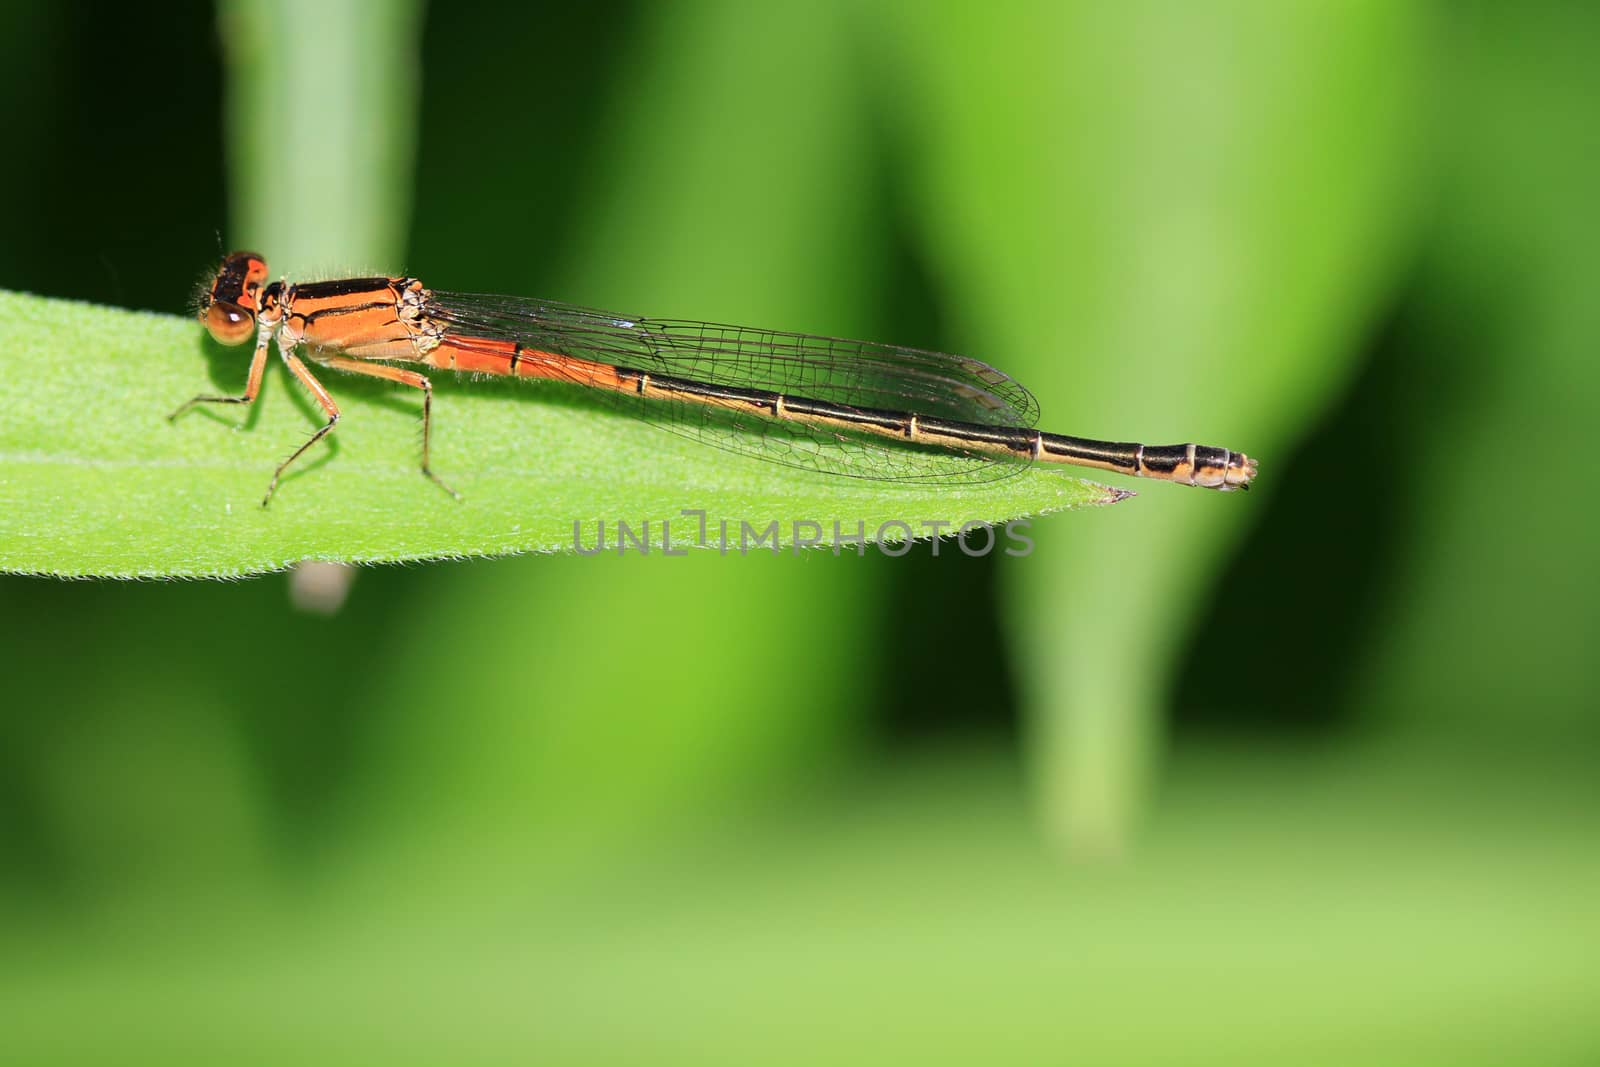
95,482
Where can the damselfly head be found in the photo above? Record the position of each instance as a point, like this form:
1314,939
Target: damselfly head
229,304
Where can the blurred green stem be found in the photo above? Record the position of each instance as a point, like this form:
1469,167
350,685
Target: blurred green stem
322,134
322,129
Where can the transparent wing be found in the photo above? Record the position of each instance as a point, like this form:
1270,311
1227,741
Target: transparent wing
857,374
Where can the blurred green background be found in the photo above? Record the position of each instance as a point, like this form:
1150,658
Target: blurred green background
1306,774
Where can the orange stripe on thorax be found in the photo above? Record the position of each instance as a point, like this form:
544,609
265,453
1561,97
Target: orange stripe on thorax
345,320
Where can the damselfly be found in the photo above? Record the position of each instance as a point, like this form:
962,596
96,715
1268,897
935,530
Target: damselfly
854,408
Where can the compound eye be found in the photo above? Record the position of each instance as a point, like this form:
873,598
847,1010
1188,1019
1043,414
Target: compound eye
229,323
